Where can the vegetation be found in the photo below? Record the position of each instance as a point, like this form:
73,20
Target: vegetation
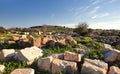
94,47
2,30
85,42
56,29
82,29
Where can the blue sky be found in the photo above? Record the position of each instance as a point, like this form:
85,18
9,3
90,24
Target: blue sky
103,14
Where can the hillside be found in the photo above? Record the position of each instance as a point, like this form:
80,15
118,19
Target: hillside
51,28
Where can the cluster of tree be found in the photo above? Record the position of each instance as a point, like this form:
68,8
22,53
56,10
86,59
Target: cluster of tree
52,28
83,30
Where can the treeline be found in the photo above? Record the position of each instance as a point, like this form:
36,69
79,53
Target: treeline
83,30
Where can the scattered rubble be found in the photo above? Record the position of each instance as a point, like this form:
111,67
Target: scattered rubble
7,54
23,71
94,67
29,54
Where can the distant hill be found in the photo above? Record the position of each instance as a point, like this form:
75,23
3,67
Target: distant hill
50,28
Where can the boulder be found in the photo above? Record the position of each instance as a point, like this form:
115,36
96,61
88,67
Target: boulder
98,63
110,56
51,43
114,70
29,54
61,42
118,54
94,67
70,40
23,36
58,56
23,71
69,56
65,66
7,54
107,48
2,68
14,38
45,63
44,40
37,42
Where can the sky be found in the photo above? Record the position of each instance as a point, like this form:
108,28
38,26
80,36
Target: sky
98,14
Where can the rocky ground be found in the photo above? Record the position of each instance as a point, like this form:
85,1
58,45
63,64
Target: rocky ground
59,55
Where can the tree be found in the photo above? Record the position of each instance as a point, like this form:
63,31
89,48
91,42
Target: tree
44,28
82,29
2,30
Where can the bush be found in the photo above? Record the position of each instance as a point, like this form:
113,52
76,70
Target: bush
82,29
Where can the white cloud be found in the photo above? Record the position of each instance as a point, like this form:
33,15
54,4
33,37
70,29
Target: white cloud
106,25
95,2
100,15
105,14
95,16
94,10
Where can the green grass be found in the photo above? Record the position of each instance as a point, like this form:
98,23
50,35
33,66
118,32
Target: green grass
94,47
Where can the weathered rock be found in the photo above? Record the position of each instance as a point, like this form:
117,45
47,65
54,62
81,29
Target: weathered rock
118,54
6,54
23,71
114,70
58,56
14,38
2,67
61,42
110,56
65,66
44,40
29,54
98,63
70,40
69,56
107,48
94,67
23,43
37,42
45,63
23,36
51,43
118,58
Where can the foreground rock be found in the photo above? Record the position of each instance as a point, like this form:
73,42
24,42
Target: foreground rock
51,43
6,54
94,67
107,48
110,54
14,38
44,40
23,71
58,56
70,40
65,66
2,68
114,70
45,63
37,42
56,63
69,56
28,55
